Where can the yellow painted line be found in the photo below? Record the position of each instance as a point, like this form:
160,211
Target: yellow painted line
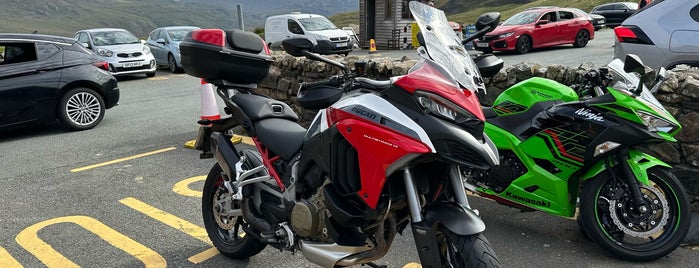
29,240
412,265
182,187
235,140
122,159
158,78
202,257
168,219
7,260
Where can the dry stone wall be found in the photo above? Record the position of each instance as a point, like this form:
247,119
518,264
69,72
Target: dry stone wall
680,95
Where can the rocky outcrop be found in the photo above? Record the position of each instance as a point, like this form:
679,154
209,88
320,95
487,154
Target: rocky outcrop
680,95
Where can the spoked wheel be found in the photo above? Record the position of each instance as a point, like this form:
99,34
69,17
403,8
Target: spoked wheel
612,220
81,108
581,38
223,220
524,44
465,250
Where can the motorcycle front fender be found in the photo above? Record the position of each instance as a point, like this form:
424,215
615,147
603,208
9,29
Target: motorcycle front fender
639,163
460,220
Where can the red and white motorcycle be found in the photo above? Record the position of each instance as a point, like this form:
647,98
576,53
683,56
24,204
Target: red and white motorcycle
378,157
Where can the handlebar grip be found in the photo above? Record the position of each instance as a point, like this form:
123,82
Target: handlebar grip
332,82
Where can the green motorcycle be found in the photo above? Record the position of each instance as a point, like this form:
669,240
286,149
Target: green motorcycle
560,150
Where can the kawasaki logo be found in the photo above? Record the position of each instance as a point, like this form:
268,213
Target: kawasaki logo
527,200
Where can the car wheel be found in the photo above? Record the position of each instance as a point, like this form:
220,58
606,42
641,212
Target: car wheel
81,108
172,64
581,38
524,44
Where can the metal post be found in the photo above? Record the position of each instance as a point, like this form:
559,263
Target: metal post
240,17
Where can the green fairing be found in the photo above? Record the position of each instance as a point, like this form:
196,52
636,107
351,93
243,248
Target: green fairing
631,104
536,89
638,161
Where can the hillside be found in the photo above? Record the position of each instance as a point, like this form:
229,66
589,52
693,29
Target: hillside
65,17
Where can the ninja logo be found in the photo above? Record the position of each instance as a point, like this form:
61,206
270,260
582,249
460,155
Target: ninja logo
589,114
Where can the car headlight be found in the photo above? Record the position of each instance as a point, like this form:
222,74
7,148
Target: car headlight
104,52
504,35
146,50
655,123
443,108
321,37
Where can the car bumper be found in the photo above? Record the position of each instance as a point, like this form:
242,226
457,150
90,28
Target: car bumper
132,65
649,54
328,47
502,44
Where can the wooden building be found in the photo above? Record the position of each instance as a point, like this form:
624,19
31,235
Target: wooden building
386,21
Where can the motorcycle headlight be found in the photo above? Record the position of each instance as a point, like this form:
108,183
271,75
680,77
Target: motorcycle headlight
104,52
655,123
505,35
146,50
443,108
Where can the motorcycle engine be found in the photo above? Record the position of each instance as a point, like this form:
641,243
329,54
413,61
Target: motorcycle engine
499,177
308,218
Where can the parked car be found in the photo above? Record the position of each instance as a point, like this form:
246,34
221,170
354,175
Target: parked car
663,34
124,52
537,28
164,43
325,36
45,77
598,21
615,13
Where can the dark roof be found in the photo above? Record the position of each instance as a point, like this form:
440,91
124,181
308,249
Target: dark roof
41,37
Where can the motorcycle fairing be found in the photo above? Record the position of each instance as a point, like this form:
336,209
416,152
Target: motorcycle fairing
380,151
639,163
523,95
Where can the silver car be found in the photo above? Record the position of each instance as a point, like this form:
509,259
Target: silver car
164,42
664,33
124,52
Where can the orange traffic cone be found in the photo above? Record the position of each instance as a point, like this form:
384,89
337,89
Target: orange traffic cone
372,46
209,108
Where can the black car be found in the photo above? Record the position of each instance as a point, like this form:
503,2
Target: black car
45,77
615,13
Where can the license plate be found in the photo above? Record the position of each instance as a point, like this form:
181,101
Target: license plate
130,64
341,44
479,44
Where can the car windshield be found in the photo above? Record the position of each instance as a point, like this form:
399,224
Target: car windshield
522,18
113,38
317,24
443,46
178,34
627,81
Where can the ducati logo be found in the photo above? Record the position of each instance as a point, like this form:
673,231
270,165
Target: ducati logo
589,114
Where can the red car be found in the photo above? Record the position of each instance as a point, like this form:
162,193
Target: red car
536,28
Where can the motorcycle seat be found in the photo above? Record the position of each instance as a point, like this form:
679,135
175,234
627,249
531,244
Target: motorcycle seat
281,136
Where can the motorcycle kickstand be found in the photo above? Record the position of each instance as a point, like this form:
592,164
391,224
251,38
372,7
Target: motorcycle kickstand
374,265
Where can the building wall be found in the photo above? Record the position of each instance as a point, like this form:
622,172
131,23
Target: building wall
383,24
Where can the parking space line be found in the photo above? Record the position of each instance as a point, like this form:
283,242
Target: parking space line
168,219
182,187
205,255
7,260
122,159
29,240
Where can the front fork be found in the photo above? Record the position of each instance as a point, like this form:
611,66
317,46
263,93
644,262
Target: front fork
631,181
456,217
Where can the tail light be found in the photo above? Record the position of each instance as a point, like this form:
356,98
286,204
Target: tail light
631,34
215,37
102,65
266,50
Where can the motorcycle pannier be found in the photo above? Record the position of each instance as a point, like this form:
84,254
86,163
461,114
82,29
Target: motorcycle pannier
235,56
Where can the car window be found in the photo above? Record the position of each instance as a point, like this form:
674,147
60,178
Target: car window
607,7
522,18
565,15
317,24
294,27
83,38
17,52
178,34
109,38
154,35
694,13
45,50
619,7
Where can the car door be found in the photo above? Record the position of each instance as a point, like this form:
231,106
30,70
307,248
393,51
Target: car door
568,26
545,34
29,76
159,49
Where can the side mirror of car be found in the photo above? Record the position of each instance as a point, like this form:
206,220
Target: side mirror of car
86,45
160,41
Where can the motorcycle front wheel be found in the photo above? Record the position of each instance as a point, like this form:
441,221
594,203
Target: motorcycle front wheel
465,250
225,229
612,220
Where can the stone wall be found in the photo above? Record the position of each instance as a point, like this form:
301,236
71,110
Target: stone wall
680,95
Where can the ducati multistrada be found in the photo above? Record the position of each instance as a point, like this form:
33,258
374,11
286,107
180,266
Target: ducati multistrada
380,156
560,149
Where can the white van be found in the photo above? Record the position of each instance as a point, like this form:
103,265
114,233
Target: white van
326,37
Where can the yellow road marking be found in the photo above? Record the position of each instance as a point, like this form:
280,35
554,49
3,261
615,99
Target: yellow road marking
412,265
182,187
29,240
202,257
122,159
167,218
235,140
158,78
7,260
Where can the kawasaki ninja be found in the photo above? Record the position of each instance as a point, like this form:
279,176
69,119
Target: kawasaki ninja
557,149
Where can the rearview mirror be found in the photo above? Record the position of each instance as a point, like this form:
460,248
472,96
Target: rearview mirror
491,19
296,46
633,64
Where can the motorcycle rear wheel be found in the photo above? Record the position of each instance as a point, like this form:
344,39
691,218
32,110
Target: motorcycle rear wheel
465,250
226,232
608,216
